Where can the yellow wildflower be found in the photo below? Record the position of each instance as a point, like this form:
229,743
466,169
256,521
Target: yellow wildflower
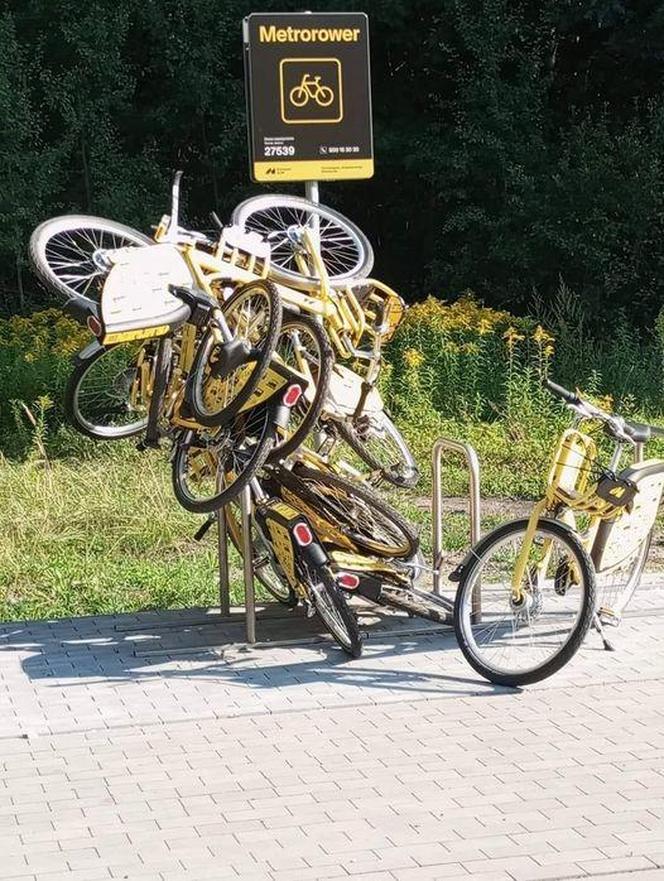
512,337
541,336
413,358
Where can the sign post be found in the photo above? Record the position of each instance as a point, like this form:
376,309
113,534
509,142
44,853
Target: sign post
309,97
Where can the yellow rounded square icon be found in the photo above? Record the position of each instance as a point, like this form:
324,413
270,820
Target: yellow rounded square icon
311,90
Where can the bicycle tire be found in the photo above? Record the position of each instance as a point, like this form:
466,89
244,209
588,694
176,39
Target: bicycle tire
423,604
347,256
313,410
405,540
403,473
84,362
73,233
195,394
241,478
472,579
332,609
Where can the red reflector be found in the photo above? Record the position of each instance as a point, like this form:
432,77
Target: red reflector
303,535
348,580
94,325
292,395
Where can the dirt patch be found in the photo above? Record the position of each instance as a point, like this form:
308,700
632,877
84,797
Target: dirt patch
510,509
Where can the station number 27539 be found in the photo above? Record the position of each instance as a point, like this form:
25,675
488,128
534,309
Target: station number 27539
279,150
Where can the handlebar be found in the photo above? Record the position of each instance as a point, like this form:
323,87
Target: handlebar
616,426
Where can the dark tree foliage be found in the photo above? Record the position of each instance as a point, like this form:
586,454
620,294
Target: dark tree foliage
516,140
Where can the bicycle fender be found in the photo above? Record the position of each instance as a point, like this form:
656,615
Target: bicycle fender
80,309
88,352
280,414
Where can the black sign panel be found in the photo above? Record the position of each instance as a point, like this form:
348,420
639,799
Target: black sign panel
309,95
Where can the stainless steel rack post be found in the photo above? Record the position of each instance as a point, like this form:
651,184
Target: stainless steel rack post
442,445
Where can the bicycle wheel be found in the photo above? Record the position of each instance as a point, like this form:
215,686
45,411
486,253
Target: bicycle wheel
353,509
380,444
264,566
216,393
211,470
517,645
108,393
332,608
421,603
298,96
324,96
303,346
68,253
344,249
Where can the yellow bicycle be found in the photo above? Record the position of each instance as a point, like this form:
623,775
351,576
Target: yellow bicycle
530,590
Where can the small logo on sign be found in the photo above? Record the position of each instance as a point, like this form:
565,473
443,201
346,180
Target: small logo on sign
311,90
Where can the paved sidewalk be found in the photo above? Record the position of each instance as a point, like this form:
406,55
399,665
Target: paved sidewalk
291,764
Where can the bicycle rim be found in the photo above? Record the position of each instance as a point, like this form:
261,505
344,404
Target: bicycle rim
264,566
108,395
380,444
344,249
253,314
212,469
68,253
333,610
302,345
518,644
363,517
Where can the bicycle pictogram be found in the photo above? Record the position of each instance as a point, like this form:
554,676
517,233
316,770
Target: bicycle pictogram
311,91
310,88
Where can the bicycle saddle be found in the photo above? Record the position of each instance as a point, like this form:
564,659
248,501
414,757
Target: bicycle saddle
137,297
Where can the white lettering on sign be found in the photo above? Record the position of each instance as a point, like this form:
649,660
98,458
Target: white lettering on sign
273,34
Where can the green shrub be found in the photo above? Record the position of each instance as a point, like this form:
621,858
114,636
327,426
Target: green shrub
35,361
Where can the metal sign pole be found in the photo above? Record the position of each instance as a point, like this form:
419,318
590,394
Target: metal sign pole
312,194
311,191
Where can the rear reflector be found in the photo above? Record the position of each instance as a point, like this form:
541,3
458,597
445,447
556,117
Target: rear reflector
348,580
94,325
292,395
303,534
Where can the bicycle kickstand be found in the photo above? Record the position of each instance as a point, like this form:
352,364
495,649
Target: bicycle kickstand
597,624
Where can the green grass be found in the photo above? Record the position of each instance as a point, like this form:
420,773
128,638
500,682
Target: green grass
99,535
101,532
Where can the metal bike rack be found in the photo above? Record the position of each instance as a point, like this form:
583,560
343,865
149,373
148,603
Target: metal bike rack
443,445
225,615
247,565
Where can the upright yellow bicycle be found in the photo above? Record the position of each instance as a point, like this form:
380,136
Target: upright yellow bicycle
530,590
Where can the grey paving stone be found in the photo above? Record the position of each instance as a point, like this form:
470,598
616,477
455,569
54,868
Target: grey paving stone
291,764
